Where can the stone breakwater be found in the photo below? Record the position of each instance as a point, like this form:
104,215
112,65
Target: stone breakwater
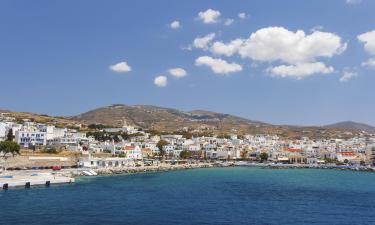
142,169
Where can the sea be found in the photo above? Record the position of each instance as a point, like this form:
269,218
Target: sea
236,195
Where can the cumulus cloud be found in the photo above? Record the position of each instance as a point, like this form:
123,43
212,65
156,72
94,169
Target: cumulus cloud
370,63
280,44
347,75
203,42
242,15
175,24
220,48
209,16
228,22
296,51
218,66
161,81
368,39
300,70
121,67
177,72
353,2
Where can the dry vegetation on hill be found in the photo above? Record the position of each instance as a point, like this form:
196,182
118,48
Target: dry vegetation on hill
170,120
165,119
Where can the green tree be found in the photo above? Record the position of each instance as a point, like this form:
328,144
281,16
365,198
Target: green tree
115,138
50,150
226,136
160,146
244,154
96,126
240,136
125,135
9,149
263,156
329,160
10,136
185,154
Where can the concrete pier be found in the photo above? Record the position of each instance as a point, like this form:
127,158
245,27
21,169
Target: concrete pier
32,179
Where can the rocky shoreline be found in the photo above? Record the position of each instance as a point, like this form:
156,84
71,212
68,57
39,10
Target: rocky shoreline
168,167
142,169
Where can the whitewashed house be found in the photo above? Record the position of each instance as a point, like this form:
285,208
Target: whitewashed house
133,152
27,138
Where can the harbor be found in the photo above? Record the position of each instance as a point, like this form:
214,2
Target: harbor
46,177
27,179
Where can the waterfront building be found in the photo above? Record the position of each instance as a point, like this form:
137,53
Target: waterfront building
28,138
346,156
106,162
169,148
132,152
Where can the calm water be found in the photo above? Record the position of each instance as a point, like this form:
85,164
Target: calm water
203,196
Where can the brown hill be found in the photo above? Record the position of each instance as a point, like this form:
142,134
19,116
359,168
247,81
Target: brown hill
166,119
350,125
40,118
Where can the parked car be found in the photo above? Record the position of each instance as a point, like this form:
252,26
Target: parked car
55,168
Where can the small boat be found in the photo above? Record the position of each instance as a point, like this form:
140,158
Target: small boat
89,173
93,173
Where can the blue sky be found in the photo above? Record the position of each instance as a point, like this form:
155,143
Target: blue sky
294,62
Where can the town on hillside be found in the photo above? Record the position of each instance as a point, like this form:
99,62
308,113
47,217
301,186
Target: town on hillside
25,144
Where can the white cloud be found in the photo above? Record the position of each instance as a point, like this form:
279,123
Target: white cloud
300,71
280,44
220,48
353,2
317,28
177,72
228,22
203,42
161,81
175,24
370,63
347,75
368,39
242,15
121,67
296,51
209,16
218,66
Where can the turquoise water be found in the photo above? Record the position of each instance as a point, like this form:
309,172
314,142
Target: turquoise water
201,196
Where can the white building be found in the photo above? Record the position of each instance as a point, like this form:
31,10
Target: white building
132,152
4,126
106,162
169,149
27,138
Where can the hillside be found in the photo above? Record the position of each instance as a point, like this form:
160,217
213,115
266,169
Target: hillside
159,118
40,118
166,119
350,125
